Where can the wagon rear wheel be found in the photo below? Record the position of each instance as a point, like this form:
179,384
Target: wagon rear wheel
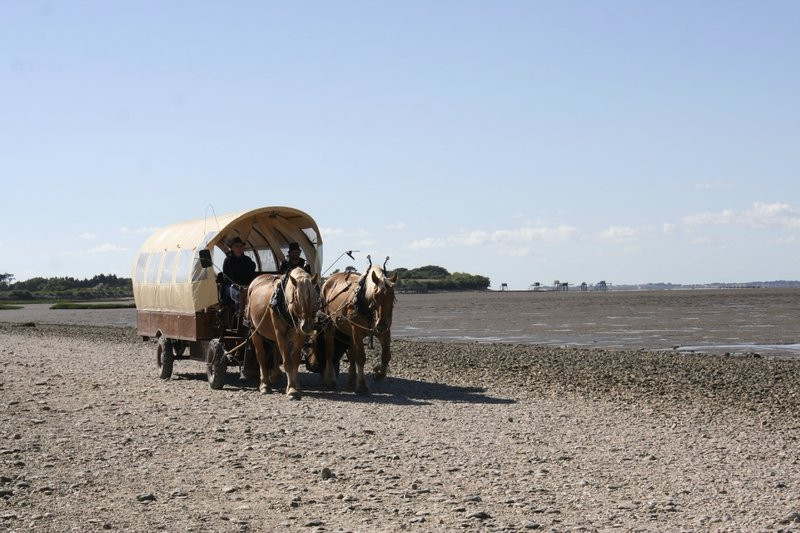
165,356
216,364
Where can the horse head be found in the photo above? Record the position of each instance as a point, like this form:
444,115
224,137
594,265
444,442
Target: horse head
380,297
301,299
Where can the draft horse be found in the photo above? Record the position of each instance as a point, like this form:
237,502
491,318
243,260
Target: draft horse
357,306
288,326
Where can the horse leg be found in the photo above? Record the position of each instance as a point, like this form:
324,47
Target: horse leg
360,359
287,349
328,375
351,368
379,370
293,362
263,385
275,370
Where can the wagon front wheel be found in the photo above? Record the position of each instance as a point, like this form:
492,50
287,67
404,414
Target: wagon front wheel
216,364
165,356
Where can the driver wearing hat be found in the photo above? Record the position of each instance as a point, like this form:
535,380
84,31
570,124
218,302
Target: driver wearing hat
294,260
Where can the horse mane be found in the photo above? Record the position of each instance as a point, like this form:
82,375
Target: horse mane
304,284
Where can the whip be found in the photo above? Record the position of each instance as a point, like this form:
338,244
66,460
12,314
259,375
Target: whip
348,253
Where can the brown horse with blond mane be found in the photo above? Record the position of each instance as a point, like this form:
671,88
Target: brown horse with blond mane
358,306
289,327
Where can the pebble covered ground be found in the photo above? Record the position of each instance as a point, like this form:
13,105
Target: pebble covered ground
459,437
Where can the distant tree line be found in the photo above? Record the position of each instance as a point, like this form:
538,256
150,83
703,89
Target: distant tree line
436,278
99,286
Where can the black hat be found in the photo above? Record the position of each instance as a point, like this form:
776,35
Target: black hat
294,246
236,240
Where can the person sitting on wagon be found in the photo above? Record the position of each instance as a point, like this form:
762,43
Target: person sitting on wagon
239,271
293,261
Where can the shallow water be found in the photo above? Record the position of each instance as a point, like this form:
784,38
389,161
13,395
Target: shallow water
763,321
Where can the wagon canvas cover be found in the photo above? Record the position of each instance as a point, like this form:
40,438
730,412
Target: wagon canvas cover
167,275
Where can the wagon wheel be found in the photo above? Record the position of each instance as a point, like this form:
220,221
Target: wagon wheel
165,356
216,364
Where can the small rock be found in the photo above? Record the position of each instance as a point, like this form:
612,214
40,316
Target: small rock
6,493
480,515
531,525
230,489
146,497
472,498
793,517
326,473
313,523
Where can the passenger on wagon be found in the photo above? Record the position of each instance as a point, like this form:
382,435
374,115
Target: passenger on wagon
239,271
294,260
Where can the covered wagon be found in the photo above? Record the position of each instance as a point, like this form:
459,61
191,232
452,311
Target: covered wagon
177,283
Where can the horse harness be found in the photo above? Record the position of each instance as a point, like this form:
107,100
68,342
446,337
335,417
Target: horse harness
279,303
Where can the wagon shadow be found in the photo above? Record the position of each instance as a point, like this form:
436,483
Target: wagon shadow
391,390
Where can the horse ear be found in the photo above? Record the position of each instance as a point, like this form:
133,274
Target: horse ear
375,279
315,279
294,281
393,279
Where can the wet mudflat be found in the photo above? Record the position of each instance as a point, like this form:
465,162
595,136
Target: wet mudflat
719,321
765,321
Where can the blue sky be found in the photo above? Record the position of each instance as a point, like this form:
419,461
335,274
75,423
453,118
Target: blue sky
630,142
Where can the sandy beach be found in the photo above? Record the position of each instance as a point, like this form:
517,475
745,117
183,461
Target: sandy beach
460,436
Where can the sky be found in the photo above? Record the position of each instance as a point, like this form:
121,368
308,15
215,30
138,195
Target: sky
526,141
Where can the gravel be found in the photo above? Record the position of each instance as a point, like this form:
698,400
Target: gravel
458,437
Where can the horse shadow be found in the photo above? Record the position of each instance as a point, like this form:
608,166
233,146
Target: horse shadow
404,391
390,390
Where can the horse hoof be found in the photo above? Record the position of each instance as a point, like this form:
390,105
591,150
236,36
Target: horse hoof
362,390
293,395
264,389
378,373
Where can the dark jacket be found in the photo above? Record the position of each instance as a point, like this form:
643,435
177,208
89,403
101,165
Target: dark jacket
286,266
241,270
